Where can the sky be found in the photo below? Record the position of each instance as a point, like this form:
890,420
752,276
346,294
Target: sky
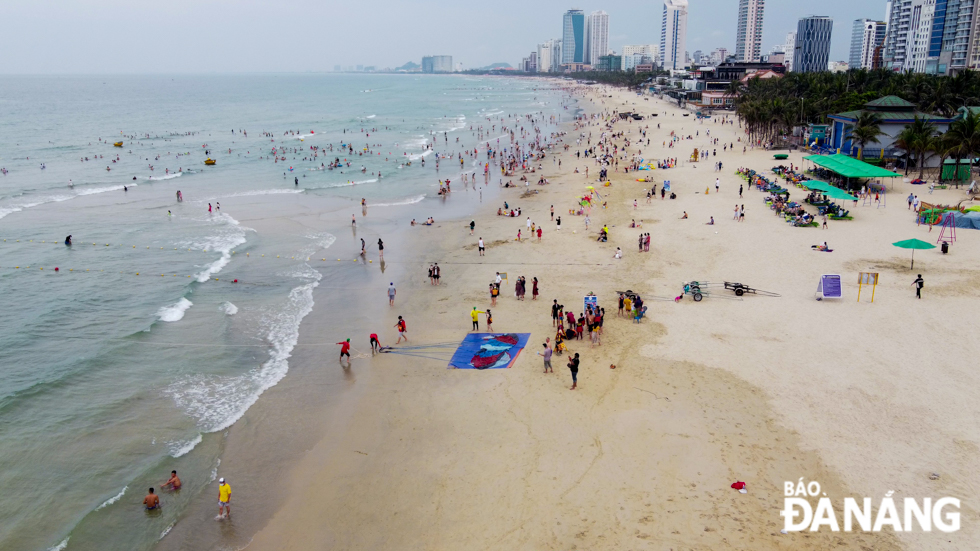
241,36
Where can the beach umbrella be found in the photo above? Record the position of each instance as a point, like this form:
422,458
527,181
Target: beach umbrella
913,244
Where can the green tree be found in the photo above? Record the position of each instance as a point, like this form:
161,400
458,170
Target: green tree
966,131
866,130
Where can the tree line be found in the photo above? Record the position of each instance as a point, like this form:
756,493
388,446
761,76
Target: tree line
771,108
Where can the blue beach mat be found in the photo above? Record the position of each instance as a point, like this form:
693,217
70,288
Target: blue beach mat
489,350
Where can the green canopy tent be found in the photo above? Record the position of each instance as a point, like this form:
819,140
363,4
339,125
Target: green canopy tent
829,190
849,167
913,244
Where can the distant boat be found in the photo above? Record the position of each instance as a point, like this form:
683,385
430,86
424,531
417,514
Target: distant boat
209,161
118,144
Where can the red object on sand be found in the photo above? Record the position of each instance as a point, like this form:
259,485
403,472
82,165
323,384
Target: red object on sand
738,485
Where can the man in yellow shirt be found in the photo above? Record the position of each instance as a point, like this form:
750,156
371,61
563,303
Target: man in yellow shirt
224,498
475,314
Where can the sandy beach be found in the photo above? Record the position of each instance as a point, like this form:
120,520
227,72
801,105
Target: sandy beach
865,398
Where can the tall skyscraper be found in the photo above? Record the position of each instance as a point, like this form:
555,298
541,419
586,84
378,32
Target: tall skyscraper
812,49
866,36
748,37
920,31
556,60
596,36
545,51
673,34
573,37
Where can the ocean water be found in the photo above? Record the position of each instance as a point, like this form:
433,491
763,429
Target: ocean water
119,366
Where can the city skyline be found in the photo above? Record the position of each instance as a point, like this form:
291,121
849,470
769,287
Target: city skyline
83,36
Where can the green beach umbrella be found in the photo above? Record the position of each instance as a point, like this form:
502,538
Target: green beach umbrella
913,244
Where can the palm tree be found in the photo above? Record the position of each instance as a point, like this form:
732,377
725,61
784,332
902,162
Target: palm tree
923,132
945,145
966,131
866,130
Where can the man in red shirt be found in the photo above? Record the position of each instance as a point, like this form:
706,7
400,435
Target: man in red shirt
345,350
375,343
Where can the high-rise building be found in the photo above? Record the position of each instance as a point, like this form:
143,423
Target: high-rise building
573,37
866,37
916,28
437,64
651,50
673,34
596,36
545,51
789,49
812,49
718,56
748,37
556,59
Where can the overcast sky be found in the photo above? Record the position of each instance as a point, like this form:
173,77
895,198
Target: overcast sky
193,36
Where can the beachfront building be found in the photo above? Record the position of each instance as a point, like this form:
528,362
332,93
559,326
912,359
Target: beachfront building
673,35
812,48
573,37
609,62
867,40
895,114
748,37
437,64
596,36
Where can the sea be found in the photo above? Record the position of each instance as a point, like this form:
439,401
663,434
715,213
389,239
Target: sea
135,350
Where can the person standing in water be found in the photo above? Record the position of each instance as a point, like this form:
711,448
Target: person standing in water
68,241
224,499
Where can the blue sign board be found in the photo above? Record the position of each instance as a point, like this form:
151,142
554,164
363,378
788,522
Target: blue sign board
829,287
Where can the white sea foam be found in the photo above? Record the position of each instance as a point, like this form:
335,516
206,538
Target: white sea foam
265,192
229,237
214,472
350,183
218,401
95,190
370,116
62,545
179,447
407,201
4,211
167,530
112,499
420,155
174,312
229,308
165,177
319,241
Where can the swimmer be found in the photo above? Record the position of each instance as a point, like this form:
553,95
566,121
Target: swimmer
68,241
173,482
151,501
